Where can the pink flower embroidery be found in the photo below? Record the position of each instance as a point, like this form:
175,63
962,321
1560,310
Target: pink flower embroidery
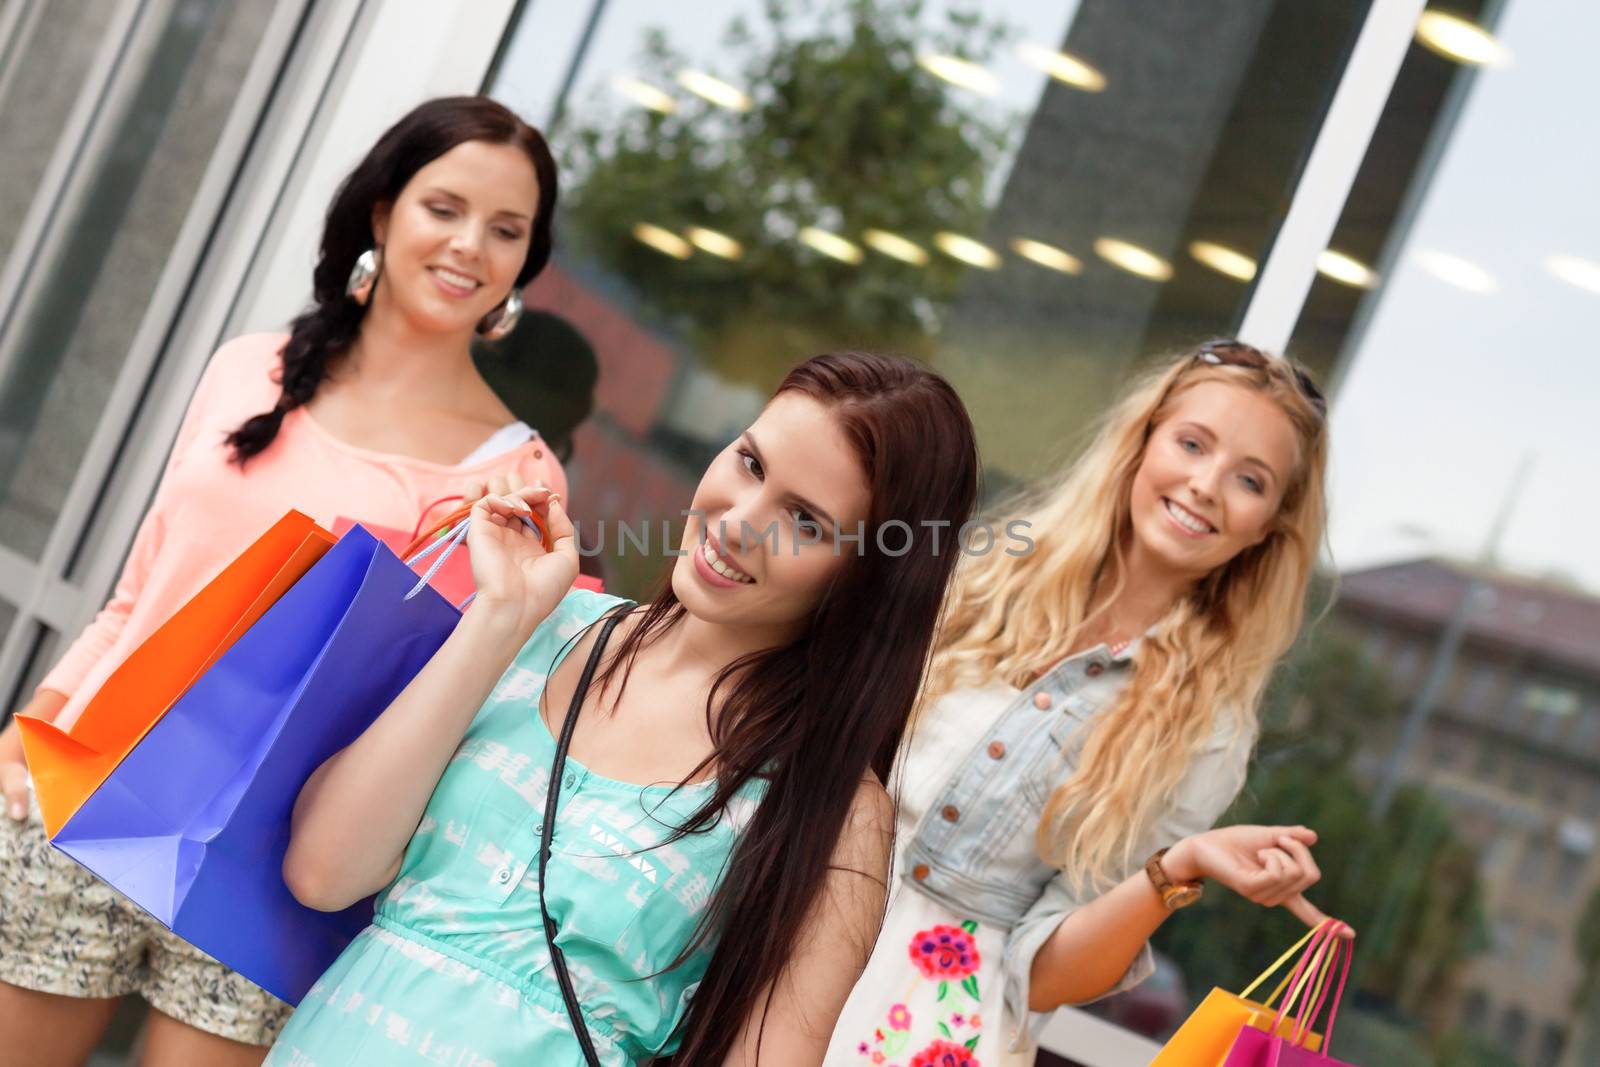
899,1017
877,1057
958,1019
945,1054
945,952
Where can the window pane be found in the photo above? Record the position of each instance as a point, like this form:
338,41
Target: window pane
1586,738
50,62
742,190
75,334
47,648
8,615
1459,433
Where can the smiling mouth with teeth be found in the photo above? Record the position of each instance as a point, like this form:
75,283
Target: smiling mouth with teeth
722,567
460,281
1187,519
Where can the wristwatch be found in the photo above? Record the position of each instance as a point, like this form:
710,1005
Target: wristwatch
1174,895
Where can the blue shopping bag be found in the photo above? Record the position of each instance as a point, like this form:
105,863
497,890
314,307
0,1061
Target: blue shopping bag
193,824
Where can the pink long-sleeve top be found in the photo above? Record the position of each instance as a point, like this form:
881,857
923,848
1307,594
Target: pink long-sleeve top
207,510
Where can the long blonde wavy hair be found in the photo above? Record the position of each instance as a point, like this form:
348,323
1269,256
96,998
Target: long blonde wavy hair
1202,667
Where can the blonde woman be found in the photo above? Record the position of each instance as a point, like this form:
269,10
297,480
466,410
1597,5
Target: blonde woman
1090,712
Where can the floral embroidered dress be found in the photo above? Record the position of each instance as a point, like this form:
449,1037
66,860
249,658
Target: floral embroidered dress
454,969
934,992
931,995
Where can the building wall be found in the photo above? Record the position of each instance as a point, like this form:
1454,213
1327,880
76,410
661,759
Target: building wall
1514,750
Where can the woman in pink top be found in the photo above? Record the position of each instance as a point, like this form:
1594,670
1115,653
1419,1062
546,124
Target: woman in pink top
370,409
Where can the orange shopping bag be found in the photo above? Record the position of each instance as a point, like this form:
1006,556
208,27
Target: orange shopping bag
68,765
1208,1033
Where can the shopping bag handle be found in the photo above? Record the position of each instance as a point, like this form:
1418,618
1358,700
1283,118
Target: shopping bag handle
1302,976
453,519
450,521
1311,1007
416,531
1298,979
1310,974
449,543
1325,942
1348,950
1281,960
1314,987
1316,979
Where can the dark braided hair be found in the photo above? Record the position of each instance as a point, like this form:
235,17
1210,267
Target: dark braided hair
330,326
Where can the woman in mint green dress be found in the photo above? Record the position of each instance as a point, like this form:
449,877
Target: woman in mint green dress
721,839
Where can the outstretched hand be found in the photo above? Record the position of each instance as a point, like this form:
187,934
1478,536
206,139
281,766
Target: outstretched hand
516,576
1269,865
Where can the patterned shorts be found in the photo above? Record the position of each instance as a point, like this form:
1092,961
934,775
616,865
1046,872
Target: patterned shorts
64,931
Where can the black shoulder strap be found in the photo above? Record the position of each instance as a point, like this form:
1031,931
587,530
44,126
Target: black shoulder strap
563,742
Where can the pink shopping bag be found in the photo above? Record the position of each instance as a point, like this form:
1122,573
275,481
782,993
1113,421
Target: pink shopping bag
1277,1048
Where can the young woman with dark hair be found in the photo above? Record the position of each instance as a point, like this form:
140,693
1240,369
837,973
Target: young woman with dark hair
399,230
720,842
369,409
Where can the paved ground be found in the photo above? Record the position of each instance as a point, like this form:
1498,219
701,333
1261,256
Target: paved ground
117,1048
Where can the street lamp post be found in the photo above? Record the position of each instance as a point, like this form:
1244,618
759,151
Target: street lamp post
1443,662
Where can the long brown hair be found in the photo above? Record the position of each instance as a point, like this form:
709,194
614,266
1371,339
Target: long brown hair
814,716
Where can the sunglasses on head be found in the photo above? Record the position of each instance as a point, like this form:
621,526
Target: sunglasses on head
1229,353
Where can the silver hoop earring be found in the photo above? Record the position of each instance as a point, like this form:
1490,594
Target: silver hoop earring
503,319
364,275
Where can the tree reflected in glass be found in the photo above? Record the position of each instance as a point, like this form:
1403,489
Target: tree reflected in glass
766,225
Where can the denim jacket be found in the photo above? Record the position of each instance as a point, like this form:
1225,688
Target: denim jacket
973,849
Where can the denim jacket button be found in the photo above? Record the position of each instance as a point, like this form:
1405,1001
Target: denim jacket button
1095,670
997,749
1042,701
920,872
950,812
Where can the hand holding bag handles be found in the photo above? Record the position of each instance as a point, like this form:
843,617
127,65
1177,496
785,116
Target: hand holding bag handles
579,1028
455,522
451,537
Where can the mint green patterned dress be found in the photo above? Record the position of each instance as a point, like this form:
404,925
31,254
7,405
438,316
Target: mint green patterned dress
454,969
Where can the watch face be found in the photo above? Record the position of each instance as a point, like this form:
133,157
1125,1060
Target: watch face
1182,896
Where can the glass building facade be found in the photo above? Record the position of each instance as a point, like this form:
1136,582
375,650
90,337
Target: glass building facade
1032,196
